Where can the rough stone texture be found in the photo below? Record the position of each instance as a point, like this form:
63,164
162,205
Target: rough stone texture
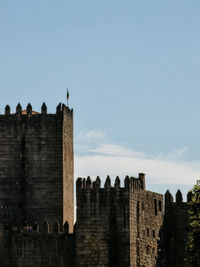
36,165
68,169
25,249
146,221
116,226
112,224
174,233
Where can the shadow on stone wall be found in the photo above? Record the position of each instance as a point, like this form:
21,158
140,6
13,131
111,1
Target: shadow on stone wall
174,232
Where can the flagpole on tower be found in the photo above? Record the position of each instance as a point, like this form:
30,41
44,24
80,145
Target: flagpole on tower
67,98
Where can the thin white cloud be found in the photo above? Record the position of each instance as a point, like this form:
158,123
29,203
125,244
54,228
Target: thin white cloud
174,155
91,136
101,158
115,150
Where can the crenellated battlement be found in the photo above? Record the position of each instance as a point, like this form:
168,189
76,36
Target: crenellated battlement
43,227
92,198
178,198
29,113
129,183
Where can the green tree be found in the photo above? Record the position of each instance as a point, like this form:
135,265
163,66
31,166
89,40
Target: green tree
193,247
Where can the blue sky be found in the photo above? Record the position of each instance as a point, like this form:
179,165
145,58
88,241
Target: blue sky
132,69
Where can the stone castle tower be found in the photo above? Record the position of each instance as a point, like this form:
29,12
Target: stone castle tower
36,165
116,225
123,223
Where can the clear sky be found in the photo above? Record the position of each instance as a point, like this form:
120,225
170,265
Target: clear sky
132,69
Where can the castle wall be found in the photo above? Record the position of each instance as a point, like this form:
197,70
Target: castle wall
102,228
43,155
32,182
30,249
10,160
117,226
175,231
146,217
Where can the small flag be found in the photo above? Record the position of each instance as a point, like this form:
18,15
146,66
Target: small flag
67,94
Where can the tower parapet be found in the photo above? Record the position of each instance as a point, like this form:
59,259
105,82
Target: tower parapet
178,198
129,183
29,112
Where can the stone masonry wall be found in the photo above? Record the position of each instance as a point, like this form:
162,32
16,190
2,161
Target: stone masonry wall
68,168
102,229
33,248
146,221
31,164
117,226
175,231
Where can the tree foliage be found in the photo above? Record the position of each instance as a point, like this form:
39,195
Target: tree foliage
193,247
